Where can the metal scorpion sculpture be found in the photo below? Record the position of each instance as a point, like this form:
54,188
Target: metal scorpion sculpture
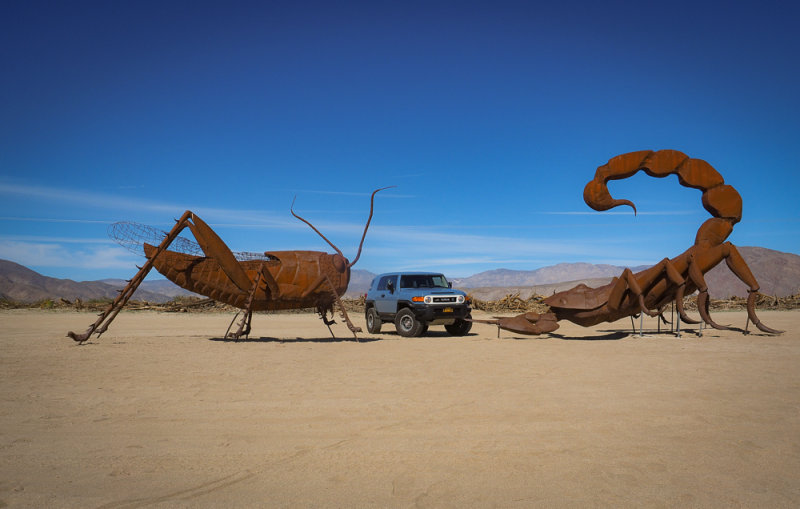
670,279
276,280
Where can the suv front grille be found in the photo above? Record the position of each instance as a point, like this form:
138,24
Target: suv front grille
444,299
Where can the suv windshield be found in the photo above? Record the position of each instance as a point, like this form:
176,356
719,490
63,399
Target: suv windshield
424,281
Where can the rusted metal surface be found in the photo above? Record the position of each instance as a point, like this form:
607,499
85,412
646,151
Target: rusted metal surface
650,290
276,280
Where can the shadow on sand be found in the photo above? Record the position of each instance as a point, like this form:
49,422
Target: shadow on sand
382,336
428,334
610,336
297,340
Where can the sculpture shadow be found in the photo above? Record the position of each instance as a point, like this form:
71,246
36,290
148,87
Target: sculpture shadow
297,340
428,334
609,335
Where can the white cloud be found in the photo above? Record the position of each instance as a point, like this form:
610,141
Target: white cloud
55,254
413,240
106,201
387,247
409,248
40,239
350,193
52,220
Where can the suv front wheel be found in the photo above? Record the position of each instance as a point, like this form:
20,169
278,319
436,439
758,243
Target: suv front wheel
407,324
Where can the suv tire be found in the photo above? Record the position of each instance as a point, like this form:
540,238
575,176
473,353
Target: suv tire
373,321
407,324
459,327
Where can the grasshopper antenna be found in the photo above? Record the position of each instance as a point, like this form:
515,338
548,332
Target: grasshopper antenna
371,203
291,209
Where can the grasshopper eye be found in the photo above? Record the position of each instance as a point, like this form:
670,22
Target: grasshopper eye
340,262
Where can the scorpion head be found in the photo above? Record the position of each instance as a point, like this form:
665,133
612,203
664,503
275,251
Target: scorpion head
338,260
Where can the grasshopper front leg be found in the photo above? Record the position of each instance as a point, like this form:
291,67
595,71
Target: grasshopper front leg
325,279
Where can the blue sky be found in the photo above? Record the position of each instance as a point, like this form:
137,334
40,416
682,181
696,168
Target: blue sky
489,117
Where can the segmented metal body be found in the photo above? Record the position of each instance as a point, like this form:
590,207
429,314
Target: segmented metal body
294,272
589,306
719,199
670,279
251,282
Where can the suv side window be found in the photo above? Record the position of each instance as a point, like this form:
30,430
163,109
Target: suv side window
382,284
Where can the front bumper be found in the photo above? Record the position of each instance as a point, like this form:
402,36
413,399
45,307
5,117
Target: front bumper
441,314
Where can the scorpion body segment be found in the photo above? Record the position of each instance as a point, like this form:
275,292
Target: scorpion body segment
670,279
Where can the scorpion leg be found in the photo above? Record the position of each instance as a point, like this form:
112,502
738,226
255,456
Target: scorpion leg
739,267
751,314
702,298
679,305
627,281
675,277
662,317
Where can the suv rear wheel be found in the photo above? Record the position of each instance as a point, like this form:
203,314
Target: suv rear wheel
373,321
407,324
459,327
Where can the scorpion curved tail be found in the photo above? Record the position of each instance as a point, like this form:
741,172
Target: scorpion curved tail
722,201
719,199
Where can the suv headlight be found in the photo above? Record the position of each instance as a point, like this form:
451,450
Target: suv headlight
460,299
428,299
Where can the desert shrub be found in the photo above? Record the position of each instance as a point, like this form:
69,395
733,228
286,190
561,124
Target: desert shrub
46,304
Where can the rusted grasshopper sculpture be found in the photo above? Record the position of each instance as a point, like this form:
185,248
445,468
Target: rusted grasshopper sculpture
276,280
670,279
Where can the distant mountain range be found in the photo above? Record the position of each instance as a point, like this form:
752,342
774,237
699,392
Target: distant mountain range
21,284
777,272
546,275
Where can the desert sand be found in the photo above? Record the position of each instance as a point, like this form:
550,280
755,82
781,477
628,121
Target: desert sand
160,412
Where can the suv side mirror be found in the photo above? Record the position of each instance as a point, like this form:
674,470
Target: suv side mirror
449,284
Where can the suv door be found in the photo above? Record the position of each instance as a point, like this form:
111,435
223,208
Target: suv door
386,301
